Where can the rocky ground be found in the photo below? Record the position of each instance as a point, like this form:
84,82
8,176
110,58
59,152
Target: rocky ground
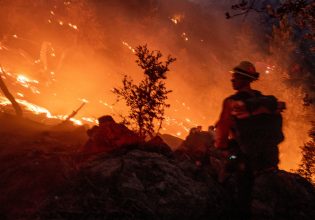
48,173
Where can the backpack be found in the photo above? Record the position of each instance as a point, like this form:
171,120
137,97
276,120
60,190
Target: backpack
258,135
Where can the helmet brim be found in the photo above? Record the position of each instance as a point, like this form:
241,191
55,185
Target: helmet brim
244,74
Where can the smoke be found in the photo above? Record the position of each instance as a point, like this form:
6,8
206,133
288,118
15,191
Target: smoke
88,49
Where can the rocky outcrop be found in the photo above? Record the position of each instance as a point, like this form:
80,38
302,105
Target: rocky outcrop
172,141
49,180
139,184
282,195
136,184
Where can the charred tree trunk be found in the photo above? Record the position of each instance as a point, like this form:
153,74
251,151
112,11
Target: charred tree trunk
6,93
73,113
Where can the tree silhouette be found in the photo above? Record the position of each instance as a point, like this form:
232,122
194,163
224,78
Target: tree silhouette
147,100
307,165
300,12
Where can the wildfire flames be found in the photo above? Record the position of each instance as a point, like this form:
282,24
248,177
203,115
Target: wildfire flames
30,84
69,56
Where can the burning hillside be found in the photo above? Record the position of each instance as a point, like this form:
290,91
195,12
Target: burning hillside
58,55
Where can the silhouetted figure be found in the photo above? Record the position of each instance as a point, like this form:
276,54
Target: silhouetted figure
248,133
196,146
211,130
194,130
109,135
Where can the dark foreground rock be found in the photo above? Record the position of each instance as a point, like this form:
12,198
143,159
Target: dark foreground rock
43,176
282,195
136,185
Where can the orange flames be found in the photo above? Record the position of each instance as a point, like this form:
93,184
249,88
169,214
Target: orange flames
21,79
38,110
65,69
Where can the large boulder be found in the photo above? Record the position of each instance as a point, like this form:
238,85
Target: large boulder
172,141
136,184
282,195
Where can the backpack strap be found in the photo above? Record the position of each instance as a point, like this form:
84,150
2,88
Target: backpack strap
253,103
242,96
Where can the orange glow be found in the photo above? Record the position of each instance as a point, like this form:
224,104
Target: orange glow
176,19
4,101
25,80
75,27
77,54
27,83
128,46
38,110
84,100
35,109
76,121
184,36
20,94
89,119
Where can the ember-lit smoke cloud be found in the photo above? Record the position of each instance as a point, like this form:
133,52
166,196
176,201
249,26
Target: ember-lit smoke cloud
77,50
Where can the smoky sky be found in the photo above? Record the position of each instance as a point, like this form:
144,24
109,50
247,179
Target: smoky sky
87,45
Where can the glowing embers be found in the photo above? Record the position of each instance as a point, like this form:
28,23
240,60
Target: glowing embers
128,46
269,69
90,120
20,94
59,21
84,100
182,125
111,107
35,108
176,19
76,121
28,106
27,83
2,47
184,36
25,80
4,101
73,26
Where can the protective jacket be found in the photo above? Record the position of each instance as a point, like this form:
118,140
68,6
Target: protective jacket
254,122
